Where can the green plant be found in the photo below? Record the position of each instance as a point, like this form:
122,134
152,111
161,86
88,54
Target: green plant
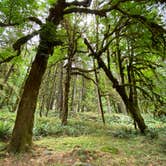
110,149
5,130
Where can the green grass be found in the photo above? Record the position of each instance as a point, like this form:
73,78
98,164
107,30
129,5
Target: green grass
118,140
142,150
67,143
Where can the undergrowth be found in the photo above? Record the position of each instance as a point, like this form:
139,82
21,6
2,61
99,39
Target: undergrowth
117,125
120,143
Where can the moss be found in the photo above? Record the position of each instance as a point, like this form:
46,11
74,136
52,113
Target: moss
66,143
109,149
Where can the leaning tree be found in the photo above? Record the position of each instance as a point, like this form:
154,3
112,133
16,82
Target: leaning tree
23,129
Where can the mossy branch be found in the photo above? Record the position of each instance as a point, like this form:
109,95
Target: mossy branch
17,45
86,77
33,19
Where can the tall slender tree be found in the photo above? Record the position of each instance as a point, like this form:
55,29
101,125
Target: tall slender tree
22,133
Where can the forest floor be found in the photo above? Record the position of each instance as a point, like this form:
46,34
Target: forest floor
86,142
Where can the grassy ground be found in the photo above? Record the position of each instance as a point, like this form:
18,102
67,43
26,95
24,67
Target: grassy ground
86,142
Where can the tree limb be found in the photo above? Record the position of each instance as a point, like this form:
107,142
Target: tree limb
153,27
89,46
88,78
33,19
8,25
101,13
85,3
83,70
8,59
141,89
36,20
17,45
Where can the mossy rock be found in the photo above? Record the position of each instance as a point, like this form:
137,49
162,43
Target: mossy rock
109,149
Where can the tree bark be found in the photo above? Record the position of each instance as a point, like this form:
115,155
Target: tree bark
60,91
66,92
22,132
100,106
83,93
73,93
121,90
53,89
108,104
41,108
72,42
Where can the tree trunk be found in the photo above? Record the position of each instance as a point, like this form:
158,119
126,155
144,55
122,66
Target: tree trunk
108,104
53,89
121,107
83,93
66,92
22,132
60,91
72,42
100,106
8,73
73,93
41,108
121,90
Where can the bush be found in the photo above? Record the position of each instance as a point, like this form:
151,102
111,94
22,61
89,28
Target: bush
5,130
52,126
125,132
119,119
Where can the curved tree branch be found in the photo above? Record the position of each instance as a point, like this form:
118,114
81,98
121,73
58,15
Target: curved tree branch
101,13
137,87
17,45
83,70
82,74
8,59
8,24
33,19
153,27
36,20
85,3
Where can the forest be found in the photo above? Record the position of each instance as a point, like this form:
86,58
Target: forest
82,83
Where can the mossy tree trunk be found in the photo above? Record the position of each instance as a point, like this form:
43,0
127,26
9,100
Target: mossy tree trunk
134,111
22,133
72,48
100,105
60,90
66,92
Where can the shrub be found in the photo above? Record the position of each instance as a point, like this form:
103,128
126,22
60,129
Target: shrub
5,130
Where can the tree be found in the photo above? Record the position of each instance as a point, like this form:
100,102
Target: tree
124,22
22,133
